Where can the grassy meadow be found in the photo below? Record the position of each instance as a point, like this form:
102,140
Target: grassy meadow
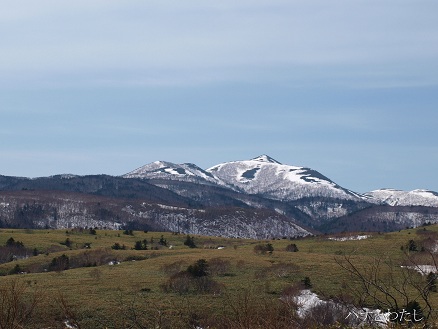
133,293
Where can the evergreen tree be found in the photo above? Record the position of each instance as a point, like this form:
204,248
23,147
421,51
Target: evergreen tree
60,263
190,242
17,269
141,245
12,243
163,241
306,282
412,246
199,269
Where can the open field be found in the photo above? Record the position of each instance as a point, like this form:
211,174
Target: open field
99,295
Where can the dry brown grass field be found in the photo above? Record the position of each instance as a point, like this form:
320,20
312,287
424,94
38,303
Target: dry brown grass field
247,290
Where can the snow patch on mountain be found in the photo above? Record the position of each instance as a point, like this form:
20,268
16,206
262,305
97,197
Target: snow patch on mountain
394,197
169,170
266,176
266,159
62,176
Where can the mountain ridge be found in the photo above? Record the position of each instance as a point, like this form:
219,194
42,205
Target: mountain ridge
267,176
260,197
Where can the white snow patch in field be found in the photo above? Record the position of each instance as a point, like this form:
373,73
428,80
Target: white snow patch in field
351,238
69,326
423,269
306,300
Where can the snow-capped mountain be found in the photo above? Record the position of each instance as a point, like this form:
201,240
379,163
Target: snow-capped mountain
394,197
259,198
268,177
168,170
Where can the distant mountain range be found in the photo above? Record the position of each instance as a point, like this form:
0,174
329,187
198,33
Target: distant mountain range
258,198
262,176
404,198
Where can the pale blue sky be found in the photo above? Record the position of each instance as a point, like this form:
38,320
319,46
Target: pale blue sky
349,88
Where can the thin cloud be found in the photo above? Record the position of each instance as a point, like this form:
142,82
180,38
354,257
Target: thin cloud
52,37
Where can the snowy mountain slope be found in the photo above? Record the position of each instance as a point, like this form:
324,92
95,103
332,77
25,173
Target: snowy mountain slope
268,177
394,197
276,199
382,218
168,170
61,210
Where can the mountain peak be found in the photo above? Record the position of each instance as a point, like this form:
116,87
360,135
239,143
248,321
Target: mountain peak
266,159
173,171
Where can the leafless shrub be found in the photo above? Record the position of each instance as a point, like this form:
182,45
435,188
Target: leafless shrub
279,270
69,313
16,305
248,309
419,258
136,312
53,248
289,294
173,268
195,279
184,283
88,258
430,243
179,283
219,266
263,248
207,285
10,253
325,315
292,247
389,286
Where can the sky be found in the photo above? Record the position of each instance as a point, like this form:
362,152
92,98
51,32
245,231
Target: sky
345,87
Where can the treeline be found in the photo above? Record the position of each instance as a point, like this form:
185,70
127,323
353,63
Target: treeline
381,219
14,250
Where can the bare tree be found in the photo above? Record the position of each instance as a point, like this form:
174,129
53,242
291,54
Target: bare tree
71,317
390,286
16,305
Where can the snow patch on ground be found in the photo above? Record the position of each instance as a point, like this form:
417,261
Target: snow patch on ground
68,325
350,238
162,206
423,269
306,300
279,211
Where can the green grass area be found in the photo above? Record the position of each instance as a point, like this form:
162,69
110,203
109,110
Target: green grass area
107,295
